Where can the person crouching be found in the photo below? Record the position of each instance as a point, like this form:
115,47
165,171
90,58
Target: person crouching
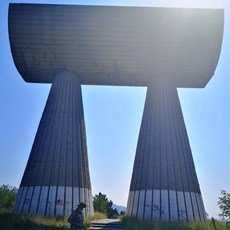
76,218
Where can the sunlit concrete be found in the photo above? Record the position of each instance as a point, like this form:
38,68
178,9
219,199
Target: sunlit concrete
160,48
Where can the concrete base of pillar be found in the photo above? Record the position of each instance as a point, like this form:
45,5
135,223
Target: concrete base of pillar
166,205
53,201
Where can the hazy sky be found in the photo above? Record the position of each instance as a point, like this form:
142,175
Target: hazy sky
113,117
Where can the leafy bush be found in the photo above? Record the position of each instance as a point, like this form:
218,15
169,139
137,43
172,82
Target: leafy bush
102,204
7,197
224,205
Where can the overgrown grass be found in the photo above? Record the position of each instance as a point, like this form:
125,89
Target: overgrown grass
134,224
97,216
9,221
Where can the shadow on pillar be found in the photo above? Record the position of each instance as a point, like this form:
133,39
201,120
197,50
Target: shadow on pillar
164,183
56,177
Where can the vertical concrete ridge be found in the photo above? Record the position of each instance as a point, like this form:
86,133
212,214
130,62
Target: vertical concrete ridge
56,177
164,183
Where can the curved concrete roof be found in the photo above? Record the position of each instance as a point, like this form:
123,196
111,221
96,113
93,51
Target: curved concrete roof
116,45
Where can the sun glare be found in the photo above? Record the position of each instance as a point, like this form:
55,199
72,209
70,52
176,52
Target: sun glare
181,3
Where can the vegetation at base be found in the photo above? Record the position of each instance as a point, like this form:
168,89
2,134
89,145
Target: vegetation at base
97,216
131,223
103,205
135,224
9,221
224,205
7,197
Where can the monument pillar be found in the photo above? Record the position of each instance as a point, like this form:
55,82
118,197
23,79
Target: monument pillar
164,183
56,177
120,46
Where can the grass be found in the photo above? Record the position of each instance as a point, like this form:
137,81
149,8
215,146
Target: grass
134,224
9,221
97,216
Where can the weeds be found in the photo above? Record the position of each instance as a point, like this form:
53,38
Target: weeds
97,216
9,221
134,224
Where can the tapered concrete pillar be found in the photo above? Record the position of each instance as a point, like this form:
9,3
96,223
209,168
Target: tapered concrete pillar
164,183
56,177
122,46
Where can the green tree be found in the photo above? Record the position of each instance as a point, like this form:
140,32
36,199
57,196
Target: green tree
102,204
7,197
224,205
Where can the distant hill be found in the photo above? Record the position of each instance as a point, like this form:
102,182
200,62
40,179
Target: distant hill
119,208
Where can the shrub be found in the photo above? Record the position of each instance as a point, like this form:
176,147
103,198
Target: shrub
224,205
7,197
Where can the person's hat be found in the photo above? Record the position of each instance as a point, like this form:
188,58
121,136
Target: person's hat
82,204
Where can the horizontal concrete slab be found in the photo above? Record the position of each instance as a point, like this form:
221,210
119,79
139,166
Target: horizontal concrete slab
116,45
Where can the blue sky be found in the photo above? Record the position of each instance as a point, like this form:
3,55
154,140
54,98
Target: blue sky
113,117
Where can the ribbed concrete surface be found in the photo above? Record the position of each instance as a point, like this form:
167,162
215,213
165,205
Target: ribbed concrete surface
116,45
56,177
155,47
164,183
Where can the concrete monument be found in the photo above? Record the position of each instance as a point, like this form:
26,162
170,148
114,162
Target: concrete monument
159,48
